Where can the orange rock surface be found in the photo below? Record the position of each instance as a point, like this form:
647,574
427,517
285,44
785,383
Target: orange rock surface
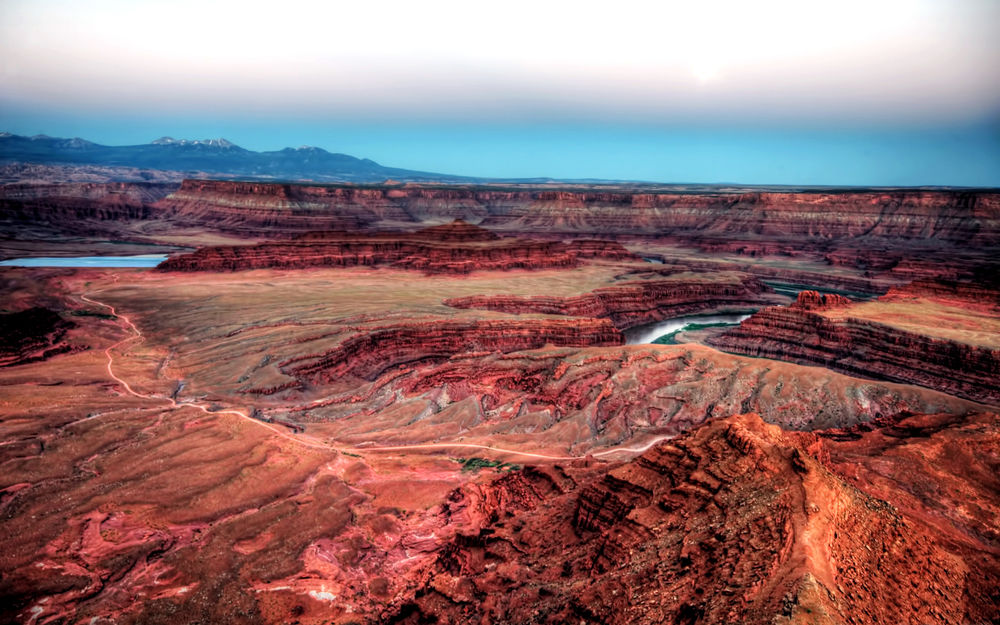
735,521
949,345
418,420
454,248
632,303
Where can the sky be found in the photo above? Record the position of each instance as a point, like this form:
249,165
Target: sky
876,92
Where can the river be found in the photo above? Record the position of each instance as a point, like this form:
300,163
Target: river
665,329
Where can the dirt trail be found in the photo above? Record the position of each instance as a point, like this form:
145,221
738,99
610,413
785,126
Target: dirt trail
309,441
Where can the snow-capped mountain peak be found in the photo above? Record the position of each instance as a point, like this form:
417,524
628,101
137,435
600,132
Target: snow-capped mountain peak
215,143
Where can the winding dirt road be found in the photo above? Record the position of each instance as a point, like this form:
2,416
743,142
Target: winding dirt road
309,441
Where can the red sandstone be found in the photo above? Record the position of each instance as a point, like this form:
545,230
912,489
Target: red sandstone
857,346
952,216
733,522
811,300
154,501
632,303
368,354
456,248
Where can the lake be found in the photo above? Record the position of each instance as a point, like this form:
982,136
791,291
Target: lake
143,260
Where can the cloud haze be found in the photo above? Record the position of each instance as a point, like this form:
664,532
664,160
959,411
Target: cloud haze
851,58
713,64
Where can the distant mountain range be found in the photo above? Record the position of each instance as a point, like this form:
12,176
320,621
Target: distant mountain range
210,156
41,158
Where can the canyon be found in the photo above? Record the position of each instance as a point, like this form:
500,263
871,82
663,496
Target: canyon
415,403
893,215
899,337
450,248
629,304
656,536
849,227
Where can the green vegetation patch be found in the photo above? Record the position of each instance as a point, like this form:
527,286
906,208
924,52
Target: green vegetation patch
90,313
476,464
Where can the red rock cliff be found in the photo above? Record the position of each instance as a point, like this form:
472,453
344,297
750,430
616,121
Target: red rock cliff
369,353
72,206
950,216
455,248
632,303
734,522
812,300
862,347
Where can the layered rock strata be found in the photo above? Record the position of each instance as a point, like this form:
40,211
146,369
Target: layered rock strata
633,303
368,354
811,300
953,216
586,399
79,208
258,209
789,275
448,249
801,333
979,296
734,522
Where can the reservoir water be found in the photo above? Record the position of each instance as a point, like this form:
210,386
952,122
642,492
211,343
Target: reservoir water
143,260
664,331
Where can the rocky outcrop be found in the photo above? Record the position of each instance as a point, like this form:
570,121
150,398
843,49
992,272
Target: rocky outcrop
953,216
31,335
975,295
897,215
607,397
458,231
257,209
634,303
812,300
454,248
892,235
79,207
370,353
788,275
866,348
734,522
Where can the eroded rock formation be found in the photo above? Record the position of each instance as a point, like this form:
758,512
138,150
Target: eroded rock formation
811,300
858,346
582,400
339,447
454,248
954,216
976,295
261,209
367,354
78,208
634,303
447,473
735,521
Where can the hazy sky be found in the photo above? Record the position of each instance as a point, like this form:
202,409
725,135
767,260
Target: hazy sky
771,91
